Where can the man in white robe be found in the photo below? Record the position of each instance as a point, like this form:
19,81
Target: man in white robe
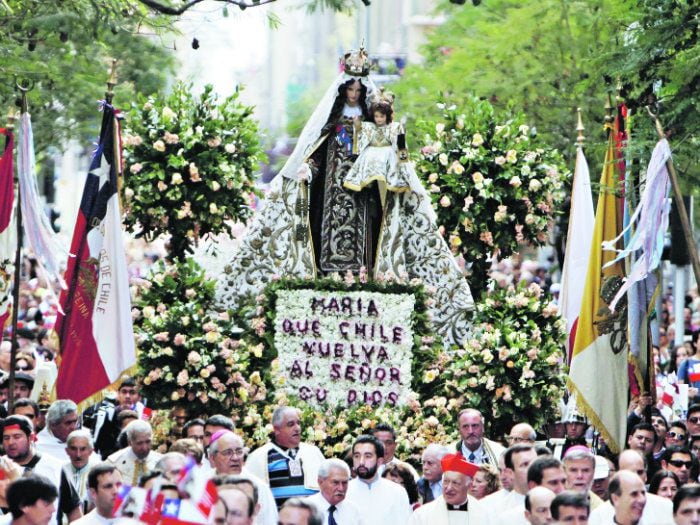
381,501
455,506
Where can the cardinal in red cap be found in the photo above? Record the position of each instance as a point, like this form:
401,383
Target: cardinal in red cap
455,506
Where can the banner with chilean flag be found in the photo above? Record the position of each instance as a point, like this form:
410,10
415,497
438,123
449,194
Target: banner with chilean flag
95,331
8,234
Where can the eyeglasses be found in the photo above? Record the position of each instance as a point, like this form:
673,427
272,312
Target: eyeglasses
229,452
516,439
694,420
680,463
23,368
675,435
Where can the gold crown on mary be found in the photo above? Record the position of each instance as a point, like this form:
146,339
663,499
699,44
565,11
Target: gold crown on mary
357,63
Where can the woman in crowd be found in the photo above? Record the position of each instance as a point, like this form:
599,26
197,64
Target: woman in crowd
485,482
400,474
665,484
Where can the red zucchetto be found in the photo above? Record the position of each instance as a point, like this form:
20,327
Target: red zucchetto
457,463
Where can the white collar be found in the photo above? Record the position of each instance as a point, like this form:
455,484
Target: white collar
352,111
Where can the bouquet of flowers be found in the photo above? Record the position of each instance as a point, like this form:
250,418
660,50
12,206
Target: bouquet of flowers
495,187
189,165
513,369
189,354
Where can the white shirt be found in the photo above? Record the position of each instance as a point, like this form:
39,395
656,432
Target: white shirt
48,444
381,501
657,511
496,504
436,489
125,461
79,477
93,518
512,517
268,506
346,513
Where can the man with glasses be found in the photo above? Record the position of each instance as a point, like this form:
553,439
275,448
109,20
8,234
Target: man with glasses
679,461
430,485
226,455
693,421
677,435
521,433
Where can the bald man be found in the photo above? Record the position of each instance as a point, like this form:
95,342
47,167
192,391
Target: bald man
656,510
537,503
521,433
629,497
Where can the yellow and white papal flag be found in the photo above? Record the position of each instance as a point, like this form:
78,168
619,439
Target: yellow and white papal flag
598,371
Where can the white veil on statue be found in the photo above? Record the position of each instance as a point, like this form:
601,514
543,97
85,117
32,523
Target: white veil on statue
410,242
312,130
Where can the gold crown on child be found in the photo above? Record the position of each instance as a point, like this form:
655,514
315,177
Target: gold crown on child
382,96
357,63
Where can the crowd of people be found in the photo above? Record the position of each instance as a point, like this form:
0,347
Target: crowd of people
63,466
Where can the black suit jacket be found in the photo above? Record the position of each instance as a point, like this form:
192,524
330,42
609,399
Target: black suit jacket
424,490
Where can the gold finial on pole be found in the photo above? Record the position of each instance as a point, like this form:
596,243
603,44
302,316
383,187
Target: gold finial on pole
609,109
618,89
11,117
109,94
580,129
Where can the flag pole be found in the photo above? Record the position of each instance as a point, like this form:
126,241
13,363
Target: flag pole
678,197
24,89
109,95
580,139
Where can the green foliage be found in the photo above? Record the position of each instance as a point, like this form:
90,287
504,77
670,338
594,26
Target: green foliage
512,370
188,353
658,58
549,57
190,164
72,43
496,185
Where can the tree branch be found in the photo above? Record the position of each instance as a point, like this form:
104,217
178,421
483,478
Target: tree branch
174,11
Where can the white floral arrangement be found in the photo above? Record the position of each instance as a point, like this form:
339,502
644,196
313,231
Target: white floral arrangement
342,348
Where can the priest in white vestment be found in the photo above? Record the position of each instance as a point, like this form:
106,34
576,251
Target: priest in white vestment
455,506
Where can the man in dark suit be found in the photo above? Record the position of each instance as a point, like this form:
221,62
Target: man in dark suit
430,485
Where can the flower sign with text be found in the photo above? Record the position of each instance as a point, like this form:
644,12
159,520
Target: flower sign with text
343,348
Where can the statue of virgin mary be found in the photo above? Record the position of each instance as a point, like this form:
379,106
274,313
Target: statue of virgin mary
311,224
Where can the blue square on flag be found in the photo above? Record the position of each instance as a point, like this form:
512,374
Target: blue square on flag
171,508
